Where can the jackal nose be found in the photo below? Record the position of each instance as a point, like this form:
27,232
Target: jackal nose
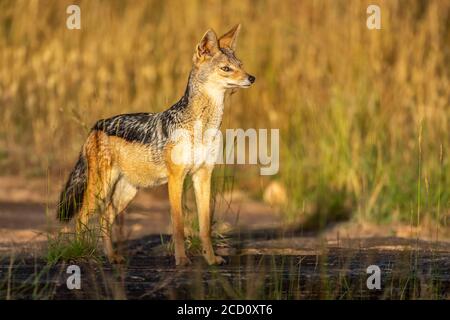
251,79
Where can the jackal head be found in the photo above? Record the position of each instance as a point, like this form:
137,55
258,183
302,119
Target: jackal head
215,63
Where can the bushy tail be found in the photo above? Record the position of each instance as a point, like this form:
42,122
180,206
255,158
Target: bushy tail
71,198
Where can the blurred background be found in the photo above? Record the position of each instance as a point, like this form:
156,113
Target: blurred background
364,115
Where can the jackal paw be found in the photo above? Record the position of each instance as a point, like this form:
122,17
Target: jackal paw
216,260
116,258
182,261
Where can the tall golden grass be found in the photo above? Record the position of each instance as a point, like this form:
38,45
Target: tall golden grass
357,108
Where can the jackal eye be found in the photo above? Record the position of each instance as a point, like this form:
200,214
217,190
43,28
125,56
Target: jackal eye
226,69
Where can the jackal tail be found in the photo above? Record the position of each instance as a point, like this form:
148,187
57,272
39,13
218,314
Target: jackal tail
71,198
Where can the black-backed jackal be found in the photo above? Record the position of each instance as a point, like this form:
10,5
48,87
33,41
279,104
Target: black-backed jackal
132,151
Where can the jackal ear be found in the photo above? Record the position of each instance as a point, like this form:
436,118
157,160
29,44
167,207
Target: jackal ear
228,40
208,46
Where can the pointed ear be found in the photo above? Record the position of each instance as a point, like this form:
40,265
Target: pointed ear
228,40
208,46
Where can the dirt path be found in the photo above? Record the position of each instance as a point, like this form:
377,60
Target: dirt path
306,269
265,259
27,212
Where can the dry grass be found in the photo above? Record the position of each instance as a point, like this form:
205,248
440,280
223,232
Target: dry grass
351,103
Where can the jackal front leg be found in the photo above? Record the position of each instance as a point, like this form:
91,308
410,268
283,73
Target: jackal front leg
202,188
175,180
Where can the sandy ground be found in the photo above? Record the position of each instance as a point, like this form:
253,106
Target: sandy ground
27,211
265,257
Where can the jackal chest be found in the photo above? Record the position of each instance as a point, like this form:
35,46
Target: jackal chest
196,148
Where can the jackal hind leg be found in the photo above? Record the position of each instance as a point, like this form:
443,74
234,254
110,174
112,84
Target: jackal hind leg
122,195
100,181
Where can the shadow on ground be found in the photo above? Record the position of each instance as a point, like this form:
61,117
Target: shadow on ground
278,268
265,259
